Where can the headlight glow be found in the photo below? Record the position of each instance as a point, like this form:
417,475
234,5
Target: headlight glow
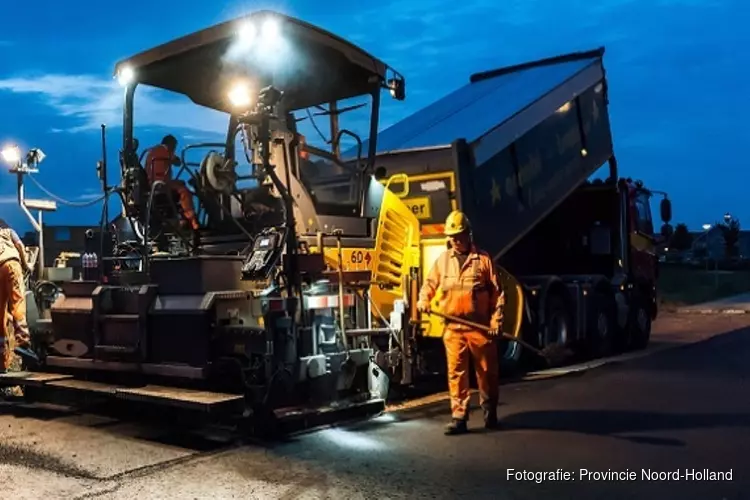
125,76
240,96
246,34
270,29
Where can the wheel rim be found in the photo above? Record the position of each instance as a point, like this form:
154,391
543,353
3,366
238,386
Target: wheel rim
642,319
558,330
602,325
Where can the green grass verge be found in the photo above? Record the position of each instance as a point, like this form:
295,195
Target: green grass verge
679,286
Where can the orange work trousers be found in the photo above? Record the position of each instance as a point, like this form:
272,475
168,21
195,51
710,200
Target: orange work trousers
12,311
186,201
459,346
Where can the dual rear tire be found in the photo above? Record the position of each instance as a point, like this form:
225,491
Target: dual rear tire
604,337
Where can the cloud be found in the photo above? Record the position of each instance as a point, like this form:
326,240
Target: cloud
87,102
7,199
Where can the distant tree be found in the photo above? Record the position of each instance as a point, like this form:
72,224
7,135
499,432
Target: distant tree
681,238
731,232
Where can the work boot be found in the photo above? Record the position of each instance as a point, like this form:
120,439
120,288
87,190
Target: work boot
457,426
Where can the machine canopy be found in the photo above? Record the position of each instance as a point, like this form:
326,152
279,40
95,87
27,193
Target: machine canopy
311,66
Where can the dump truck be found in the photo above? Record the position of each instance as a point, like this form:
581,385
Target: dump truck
515,149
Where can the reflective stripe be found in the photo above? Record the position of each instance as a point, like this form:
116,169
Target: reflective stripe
433,229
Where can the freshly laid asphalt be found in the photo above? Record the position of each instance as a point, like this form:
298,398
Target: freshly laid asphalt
673,412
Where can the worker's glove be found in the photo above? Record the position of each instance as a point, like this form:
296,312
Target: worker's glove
423,307
494,331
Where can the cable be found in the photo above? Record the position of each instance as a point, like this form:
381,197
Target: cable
64,201
315,126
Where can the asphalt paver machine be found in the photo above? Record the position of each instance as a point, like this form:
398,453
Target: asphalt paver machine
269,306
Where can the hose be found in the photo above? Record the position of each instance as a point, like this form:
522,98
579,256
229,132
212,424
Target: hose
63,200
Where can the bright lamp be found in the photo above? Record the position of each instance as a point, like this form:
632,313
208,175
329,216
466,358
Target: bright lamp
11,155
240,96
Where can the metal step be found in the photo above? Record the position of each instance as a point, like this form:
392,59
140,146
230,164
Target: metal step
85,386
33,379
191,399
185,398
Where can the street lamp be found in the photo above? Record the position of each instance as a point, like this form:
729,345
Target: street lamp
11,155
727,218
22,165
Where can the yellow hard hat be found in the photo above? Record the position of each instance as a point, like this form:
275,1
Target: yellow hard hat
456,223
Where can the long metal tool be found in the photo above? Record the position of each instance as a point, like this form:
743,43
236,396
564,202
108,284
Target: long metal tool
348,367
554,355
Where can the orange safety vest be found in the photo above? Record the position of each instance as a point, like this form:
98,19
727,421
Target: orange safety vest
471,291
8,250
159,163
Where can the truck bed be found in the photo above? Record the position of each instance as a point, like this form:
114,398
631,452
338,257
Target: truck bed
520,139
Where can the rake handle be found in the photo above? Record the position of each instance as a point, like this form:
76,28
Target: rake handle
486,328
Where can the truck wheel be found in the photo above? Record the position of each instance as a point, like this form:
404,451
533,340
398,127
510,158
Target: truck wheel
600,331
557,322
639,325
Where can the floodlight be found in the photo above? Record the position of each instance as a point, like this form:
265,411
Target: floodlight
247,33
11,155
126,76
270,29
239,95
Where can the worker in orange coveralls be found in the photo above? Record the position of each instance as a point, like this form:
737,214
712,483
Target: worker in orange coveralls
471,291
12,297
159,163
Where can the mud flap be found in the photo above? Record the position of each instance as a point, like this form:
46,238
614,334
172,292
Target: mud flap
513,317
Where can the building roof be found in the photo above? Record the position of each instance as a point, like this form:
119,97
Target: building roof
487,101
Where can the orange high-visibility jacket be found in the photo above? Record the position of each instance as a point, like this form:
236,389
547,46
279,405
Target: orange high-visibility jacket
8,250
159,163
471,292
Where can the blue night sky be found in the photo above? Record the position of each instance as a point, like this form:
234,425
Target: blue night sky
677,71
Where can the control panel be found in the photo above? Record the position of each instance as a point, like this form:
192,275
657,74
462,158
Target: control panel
264,255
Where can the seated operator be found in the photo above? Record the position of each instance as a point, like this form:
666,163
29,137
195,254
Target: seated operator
158,166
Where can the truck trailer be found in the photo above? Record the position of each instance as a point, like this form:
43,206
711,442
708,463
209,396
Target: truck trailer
515,149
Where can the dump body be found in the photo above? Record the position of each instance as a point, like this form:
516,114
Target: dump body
511,146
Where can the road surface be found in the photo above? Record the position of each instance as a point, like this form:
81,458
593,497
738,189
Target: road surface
673,412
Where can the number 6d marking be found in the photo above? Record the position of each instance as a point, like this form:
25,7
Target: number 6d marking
357,257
